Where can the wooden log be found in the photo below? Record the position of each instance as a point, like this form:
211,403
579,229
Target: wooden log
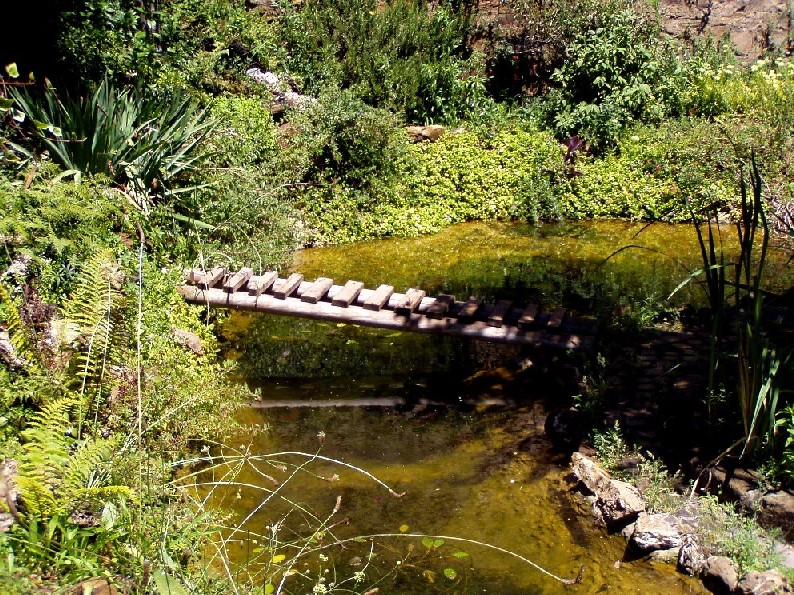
235,282
349,293
556,318
210,279
469,309
438,308
283,290
379,298
528,316
260,284
412,298
496,319
317,290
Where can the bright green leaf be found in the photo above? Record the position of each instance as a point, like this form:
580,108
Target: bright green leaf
5,104
110,515
404,528
278,558
427,542
270,588
12,70
166,584
460,555
438,543
450,573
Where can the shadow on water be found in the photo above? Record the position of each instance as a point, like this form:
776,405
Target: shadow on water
468,469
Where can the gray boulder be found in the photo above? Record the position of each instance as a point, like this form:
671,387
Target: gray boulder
617,502
655,532
719,575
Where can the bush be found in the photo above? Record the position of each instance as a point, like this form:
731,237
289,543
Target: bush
402,56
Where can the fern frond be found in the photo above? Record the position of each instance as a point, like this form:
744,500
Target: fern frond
93,314
19,351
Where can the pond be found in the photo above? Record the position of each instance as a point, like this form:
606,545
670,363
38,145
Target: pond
487,504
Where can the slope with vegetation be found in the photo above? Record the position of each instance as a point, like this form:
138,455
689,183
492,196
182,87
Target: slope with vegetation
143,147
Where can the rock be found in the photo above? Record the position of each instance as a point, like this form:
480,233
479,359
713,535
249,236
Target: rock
719,575
763,583
655,532
425,133
94,586
786,553
9,495
188,339
669,556
776,509
617,501
565,428
690,557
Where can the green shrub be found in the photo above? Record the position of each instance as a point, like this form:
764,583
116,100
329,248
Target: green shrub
401,55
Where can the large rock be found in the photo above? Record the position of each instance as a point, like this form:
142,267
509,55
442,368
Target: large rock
776,509
691,558
719,575
763,583
616,501
655,532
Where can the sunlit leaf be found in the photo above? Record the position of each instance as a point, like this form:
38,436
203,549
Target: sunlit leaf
450,573
166,584
110,515
5,104
427,542
12,70
278,558
438,543
404,528
270,588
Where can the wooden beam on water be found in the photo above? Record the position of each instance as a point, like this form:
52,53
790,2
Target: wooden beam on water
236,281
379,298
348,294
258,285
317,290
283,289
386,318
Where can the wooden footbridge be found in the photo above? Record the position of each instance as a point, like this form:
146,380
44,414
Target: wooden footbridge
413,311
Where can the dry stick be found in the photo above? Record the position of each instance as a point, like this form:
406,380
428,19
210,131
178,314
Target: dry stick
564,581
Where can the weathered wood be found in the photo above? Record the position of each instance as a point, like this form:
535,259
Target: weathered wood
235,282
385,318
496,318
412,298
556,318
285,288
210,279
258,285
192,276
349,293
469,309
317,290
438,308
528,316
378,299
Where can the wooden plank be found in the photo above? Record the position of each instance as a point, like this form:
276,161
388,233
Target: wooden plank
469,309
192,276
260,284
282,290
528,316
235,282
556,318
438,308
496,319
411,300
378,299
349,293
210,279
317,290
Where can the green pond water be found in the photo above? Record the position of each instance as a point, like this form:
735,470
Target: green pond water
481,474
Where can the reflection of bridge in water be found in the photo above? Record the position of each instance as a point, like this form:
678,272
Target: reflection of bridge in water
352,303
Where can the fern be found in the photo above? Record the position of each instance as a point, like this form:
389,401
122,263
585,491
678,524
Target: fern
58,473
93,321
22,354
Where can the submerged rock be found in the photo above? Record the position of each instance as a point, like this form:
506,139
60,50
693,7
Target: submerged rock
616,502
655,532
